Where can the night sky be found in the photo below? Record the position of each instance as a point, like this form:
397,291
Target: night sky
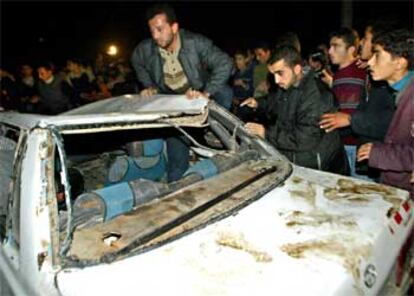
34,31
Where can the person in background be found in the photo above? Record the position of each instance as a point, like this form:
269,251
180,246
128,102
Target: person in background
366,47
348,84
242,83
56,96
261,74
318,63
83,84
8,91
28,89
371,119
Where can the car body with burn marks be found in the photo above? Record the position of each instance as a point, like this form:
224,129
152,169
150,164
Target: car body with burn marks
85,209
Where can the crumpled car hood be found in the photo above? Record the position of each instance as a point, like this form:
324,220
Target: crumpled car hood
315,235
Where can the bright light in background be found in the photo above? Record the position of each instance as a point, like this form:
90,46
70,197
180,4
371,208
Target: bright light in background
112,50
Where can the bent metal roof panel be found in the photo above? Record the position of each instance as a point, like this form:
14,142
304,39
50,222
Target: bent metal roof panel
126,108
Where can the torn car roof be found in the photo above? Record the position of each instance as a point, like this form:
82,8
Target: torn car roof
126,108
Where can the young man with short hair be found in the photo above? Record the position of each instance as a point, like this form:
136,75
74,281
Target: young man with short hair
56,95
393,62
176,61
370,120
348,83
242,84
293,112
261,84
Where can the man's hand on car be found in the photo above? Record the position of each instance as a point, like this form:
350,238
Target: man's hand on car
193,94
148,92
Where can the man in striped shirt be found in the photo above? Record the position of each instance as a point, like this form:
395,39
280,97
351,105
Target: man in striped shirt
348,84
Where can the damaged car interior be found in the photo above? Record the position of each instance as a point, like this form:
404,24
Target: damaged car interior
120,200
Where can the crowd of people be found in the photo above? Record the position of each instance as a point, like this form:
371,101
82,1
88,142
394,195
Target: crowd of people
44,89
347,108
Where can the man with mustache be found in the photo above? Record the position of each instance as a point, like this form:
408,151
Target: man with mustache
176,61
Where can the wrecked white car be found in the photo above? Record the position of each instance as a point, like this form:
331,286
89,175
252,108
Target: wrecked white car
85,210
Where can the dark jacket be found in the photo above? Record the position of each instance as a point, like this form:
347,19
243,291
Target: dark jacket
27,93
395,156
246,75
207,67
82,87
371,119
373,115
56,97
8,93
293,129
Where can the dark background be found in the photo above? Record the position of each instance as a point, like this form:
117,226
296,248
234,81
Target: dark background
33,31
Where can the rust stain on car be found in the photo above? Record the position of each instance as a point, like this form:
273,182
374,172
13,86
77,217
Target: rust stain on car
317,218
308,193
41,259
173,208
188,199
350,254
238,242
297,180
349,190
336,194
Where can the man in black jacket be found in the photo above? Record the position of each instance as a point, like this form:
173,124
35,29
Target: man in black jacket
293,112
176,61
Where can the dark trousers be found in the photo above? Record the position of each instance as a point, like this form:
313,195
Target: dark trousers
178,153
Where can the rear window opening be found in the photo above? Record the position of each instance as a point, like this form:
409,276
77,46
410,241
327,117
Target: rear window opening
120,193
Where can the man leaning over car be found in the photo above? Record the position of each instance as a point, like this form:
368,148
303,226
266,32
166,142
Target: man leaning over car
176,61
293,112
